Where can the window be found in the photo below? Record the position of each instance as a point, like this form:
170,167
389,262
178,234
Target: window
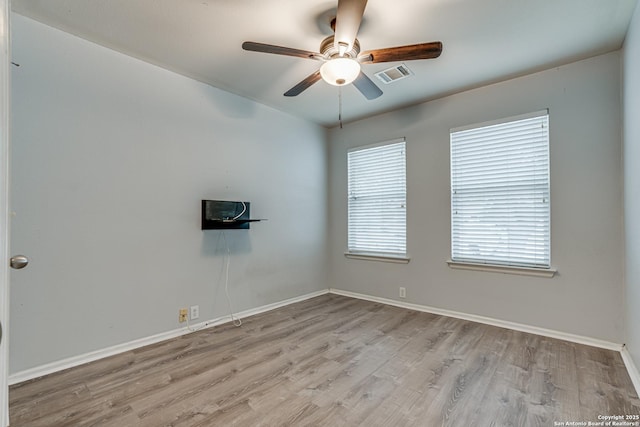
500,211
377,199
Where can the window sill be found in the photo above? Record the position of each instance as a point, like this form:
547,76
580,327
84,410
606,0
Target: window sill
397,259
523,271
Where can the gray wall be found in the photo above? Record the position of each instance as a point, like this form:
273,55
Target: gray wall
632,184
585,297
111,157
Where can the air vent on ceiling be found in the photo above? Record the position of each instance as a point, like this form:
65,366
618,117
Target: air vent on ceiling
394,74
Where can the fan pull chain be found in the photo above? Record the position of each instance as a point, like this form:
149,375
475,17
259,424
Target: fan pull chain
340,105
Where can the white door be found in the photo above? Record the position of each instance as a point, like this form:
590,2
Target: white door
5,61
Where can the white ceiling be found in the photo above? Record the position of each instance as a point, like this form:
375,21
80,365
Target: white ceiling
484,41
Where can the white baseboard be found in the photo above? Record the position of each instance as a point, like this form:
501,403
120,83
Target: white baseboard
631,368
486,320
70,362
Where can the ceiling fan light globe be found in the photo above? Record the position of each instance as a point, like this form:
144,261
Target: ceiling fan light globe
340,71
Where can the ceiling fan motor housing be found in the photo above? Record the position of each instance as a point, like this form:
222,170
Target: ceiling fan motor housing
329,50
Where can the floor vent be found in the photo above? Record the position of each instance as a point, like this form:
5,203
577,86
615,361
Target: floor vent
394,74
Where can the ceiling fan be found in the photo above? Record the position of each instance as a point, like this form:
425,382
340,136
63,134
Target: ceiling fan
341,53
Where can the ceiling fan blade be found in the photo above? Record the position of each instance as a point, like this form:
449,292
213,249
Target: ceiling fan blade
304,84
348,21
402,53
367,87
281,50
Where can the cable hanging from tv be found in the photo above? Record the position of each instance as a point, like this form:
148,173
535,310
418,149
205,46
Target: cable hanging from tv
225,215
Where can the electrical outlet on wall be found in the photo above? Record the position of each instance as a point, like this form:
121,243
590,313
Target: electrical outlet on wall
182,315
402,292
195,312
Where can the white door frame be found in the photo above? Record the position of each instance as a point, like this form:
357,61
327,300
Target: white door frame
5,63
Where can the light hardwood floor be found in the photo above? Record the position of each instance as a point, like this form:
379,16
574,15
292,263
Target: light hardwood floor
337,361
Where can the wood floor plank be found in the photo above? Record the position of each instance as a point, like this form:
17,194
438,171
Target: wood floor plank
336,361
601,393
461,378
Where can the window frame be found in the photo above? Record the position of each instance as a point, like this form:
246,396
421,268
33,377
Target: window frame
368,253
485,263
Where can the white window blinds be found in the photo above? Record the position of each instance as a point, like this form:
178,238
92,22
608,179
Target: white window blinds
377,199
500,210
